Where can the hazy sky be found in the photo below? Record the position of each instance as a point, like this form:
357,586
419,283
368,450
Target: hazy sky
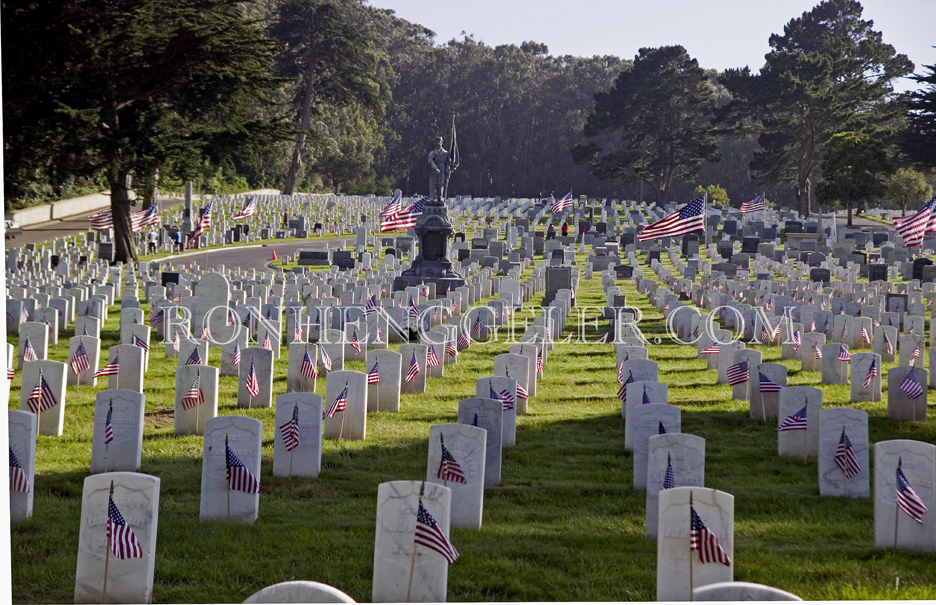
719,33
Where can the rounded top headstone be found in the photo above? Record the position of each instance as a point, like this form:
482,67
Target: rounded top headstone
299,591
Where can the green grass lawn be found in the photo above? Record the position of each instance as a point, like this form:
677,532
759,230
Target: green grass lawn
564,525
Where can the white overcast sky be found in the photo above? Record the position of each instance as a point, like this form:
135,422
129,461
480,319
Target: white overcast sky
719,33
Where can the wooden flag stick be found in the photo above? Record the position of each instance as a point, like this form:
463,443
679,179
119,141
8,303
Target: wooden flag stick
227,480
107,545
691,595
409,587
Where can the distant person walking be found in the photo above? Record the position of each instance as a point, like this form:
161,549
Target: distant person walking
565,229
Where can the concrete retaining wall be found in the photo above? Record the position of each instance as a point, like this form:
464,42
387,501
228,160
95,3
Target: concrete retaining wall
80,205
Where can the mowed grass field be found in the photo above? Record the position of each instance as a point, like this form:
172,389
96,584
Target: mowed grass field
564,525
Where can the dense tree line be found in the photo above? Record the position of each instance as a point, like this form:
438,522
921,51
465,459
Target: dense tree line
338,95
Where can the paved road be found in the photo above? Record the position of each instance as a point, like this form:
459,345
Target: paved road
250,257
35,234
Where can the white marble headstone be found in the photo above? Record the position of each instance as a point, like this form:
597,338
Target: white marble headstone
129,580
397,505
467,445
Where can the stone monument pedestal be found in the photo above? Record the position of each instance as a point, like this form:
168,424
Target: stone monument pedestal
432,265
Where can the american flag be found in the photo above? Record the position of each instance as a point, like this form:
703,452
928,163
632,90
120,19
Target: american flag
391,209
825,328
433,359
844,333
913,228
373,377
29,353
661,430
355,343
9,318
561,205
689,219
194,359
521,391
504,397
194,395
371,307
818,351
239,476
19,482
669,480
451,349
888,345
176,341
413,309
413,369
297,329
201,226
236,355
249,209
10,373
266,342
539,361
252,384
710,350
109,426
141,219
767,385
622,391
102,220
230,318
338,405
307,368
463,340
865,337
156,317
703,540
448,467
846,458
48,326
326,360
206,332
123,542
429,535
405,218
796,422
79,361
290,430
136,340
478,326
474,421
754,205
872,372
738,373
111,369
911,385
796,340
907,499
764,335
915,355
844,355
646,398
